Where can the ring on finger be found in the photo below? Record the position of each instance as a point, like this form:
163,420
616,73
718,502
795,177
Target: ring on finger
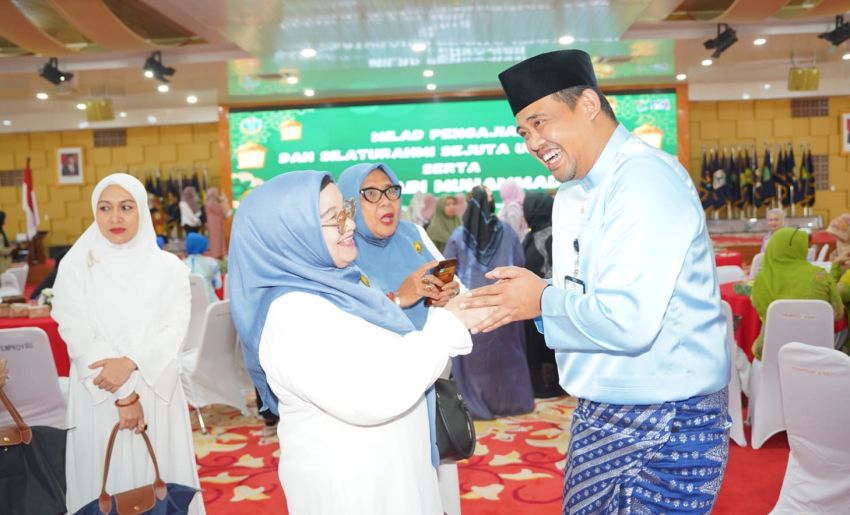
425,281
427,286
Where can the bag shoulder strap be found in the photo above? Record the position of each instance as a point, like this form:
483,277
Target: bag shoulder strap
13,436
160,488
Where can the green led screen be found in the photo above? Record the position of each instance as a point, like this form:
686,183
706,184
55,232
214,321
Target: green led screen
442,147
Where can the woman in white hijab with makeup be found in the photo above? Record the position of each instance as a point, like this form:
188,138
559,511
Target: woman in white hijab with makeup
123,307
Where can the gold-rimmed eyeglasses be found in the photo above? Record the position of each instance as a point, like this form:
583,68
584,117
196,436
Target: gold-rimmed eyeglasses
348,211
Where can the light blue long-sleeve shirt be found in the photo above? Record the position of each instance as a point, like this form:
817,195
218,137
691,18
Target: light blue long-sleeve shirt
648,328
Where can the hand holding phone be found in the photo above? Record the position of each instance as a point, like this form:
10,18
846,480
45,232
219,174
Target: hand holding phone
445,272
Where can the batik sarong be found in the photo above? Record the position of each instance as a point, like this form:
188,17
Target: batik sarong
659,458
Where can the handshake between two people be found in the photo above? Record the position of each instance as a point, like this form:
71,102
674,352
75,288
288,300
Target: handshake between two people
516,295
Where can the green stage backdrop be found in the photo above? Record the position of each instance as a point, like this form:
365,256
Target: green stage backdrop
435,147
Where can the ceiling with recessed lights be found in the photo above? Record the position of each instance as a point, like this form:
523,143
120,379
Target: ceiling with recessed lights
243,52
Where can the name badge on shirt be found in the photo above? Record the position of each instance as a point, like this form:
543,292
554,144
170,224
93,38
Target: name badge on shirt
574,284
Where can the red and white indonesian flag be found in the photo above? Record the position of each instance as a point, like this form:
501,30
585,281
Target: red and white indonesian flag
28,202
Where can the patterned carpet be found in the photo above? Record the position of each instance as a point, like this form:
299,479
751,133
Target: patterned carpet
516,467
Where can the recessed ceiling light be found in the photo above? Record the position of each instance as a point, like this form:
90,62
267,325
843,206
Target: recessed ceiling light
428,73
192,99
292,80
83,125
431,87
81,106
707,62
745,96
419,47
309,92
122,114
162,88
681,76
151,118
7,123
566,40
759,41
767,86
846,56
148,74
41,96
308,52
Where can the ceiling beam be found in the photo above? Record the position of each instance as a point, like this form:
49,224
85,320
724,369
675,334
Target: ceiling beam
749,11
98,23
18,29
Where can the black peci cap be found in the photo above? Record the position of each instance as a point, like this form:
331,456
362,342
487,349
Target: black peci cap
529,81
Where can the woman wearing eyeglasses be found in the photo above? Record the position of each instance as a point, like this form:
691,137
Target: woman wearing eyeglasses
397,256
318,339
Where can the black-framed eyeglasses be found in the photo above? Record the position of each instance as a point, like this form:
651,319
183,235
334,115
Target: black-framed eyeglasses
373,195
348,211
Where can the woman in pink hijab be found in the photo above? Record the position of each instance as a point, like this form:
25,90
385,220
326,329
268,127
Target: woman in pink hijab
218,208
511,213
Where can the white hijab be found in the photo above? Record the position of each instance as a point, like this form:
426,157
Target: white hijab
108,298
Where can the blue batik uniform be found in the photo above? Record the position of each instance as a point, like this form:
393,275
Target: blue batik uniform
634,317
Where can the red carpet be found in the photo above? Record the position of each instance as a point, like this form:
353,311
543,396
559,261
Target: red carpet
516,469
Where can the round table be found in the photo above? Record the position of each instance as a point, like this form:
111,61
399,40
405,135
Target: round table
57,345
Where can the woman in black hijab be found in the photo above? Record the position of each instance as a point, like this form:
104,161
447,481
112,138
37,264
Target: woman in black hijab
537,247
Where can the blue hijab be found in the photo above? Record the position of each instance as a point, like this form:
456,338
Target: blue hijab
277,247
196,243
386,262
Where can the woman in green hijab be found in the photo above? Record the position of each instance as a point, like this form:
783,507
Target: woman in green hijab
444,222
785,274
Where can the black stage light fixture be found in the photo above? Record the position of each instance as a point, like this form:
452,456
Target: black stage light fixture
51,72
726,37
155,69
840,34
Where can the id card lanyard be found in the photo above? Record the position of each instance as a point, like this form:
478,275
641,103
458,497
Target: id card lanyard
573,283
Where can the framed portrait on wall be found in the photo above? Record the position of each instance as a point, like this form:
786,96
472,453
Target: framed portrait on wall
845,133
69,165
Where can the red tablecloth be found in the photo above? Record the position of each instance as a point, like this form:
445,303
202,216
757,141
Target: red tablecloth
749,323
57,345
728,258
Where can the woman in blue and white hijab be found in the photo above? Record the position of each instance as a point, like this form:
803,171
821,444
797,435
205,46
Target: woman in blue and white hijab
317,340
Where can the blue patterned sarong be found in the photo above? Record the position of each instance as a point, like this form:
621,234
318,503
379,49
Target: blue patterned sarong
659,458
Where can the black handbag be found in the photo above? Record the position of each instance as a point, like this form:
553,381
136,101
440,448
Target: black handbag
455,430
32,467
157,498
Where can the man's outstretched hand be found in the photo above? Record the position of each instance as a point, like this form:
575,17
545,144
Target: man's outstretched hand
516,296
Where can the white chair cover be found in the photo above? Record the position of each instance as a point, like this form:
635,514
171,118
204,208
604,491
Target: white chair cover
815,382
200,302
33,385
805,321
9,286
824,250
217,375
735,410
20,273
730,274
810,255
756,265
826,265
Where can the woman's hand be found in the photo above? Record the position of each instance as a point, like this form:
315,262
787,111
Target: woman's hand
447,292
114,374
419,284
132,416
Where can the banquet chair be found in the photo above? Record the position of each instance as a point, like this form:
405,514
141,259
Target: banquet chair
730,274
9,285
735,409
815,382
823,252
225,294
216,373
756,265
200,301
804,321
20,273
33,385
810,255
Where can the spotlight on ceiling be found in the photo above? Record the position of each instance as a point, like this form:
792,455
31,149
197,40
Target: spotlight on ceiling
153,66
840,34
52,73
726,37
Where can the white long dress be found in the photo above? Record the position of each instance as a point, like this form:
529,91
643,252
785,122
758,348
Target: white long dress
354,426
131,300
